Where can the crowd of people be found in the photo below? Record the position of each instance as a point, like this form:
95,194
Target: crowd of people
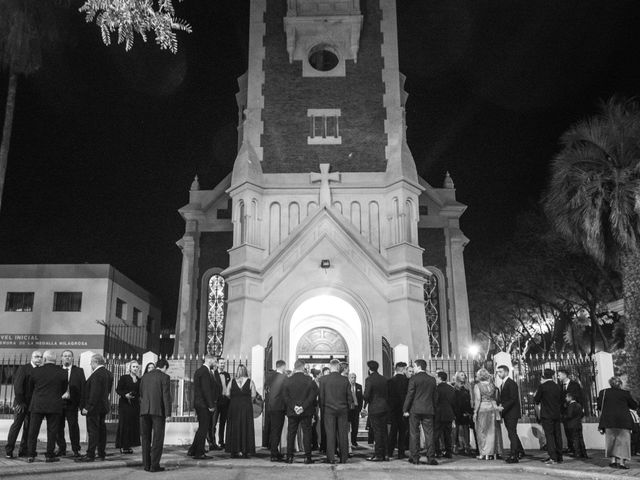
413,410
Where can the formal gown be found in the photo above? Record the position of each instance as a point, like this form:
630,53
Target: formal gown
128,434
486,419
240,434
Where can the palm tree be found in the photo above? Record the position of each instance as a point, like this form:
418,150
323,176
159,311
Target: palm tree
20,54
594,200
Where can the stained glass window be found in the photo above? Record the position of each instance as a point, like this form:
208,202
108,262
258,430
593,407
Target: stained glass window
215,315
432,313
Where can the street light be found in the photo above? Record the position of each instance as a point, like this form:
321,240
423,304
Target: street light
473,350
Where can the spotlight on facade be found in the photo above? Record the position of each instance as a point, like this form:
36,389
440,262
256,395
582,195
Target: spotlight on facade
473,350
325,264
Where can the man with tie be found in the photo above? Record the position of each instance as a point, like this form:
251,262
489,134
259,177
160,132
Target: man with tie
155,408
355,409
95,405
71,404
21,414
445,415
276,409
376,398
222,378
335,400
205,398
299,392
48,384
509,401
398,385
549,397
419,406
574,388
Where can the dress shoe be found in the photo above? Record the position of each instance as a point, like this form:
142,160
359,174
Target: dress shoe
512,460
76,454
147,469
61,453
330,462
85,459
375,458
415,461
448,455
289,459
157,469
202,457
9,455
214,447
433,461
101,458
276,459
51,459
551,461
31,459
308,461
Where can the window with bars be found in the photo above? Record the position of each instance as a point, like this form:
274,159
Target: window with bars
19,302
67,301
432,314
135,320
324,126
216,311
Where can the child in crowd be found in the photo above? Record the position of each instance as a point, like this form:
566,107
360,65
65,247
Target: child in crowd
573,417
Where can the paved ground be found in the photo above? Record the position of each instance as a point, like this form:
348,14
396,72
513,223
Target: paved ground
179,466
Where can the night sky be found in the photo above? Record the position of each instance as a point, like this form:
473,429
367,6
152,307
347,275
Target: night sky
106,143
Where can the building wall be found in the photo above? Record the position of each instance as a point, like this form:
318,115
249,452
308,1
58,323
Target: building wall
288,95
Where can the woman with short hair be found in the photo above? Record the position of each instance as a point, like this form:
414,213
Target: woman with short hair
240,437
616,422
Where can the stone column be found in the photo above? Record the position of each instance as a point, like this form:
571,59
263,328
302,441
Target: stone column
185,325
257,375
459,308
604,369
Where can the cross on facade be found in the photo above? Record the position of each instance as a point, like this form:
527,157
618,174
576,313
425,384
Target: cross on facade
324,177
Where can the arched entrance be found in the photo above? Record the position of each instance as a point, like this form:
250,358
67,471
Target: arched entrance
330,324
318,346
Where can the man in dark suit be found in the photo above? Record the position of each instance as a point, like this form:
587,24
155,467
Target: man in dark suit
71,398
574,388
376,398
95,405
48,384
155,407
509,401
445,414
277,410
419,406
398,385
205,398
299,392
356,408
222,378
549,397
21,414
335,401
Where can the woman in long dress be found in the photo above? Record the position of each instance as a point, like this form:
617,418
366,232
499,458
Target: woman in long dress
616,422
128,434
240,437
484,416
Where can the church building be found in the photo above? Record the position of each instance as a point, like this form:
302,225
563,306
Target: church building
323,242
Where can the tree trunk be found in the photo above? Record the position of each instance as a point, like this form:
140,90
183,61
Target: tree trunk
6,128
631,292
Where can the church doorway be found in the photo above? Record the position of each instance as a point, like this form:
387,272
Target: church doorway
320,345
324,327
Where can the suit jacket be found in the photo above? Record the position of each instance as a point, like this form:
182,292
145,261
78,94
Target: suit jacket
549,396
376,394
22,385
75,387
398,385
95,397
573,415
421,395
573,388
205,389
614,405
223,400
335,394
276,397
299,389
509,398
155,394
48,384
359,402
446,399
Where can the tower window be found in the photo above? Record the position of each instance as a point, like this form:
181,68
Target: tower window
324,126
323,58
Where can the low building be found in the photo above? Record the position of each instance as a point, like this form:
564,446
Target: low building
76,307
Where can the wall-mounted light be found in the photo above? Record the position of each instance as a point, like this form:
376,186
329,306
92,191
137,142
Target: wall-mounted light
325,264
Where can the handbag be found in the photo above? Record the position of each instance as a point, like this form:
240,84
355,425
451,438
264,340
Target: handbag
258,405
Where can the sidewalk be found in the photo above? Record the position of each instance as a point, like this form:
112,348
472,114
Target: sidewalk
173,456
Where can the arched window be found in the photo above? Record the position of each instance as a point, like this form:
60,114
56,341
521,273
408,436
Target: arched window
387,358
216,312
432,314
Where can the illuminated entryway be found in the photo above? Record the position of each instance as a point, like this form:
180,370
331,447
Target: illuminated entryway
327,322
318,346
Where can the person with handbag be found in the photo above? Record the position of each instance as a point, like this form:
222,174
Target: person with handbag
616,422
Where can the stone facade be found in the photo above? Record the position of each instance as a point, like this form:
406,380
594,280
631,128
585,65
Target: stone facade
331,229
